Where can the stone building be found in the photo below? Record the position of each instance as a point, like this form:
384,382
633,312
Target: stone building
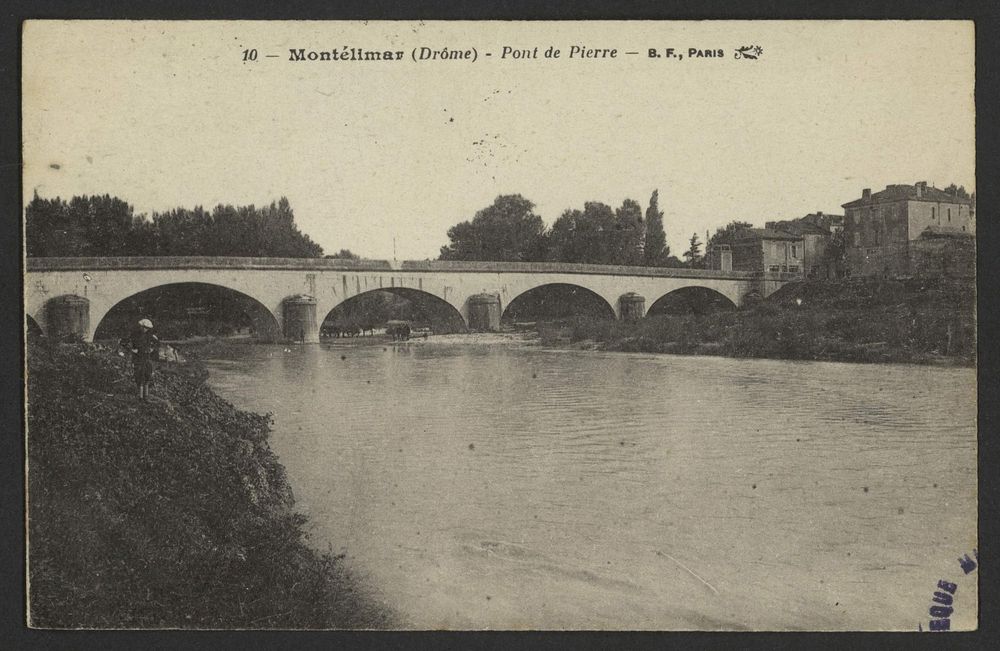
759,249
882,230
815,229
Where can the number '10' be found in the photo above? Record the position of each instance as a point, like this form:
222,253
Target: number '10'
250,55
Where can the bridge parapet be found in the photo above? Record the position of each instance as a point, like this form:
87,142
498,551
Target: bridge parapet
204,262
337,264
570,268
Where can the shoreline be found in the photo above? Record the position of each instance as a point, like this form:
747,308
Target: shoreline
207,347
130,499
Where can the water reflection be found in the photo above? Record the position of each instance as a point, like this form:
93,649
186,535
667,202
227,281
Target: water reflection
512,488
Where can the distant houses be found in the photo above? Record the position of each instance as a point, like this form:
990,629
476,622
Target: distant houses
794,247
902,231
909,230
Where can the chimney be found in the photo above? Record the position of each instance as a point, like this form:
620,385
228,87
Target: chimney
921,186
866,194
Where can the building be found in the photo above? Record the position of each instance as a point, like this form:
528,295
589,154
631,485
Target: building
758,249
832,223
815,229
881,229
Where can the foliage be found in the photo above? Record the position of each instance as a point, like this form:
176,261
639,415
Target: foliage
631,233
371,309
835,254
692,257
85,226
599,235
344,254
107,226
851,321
726,234
233,231
958,191
508,230
168,513
656,252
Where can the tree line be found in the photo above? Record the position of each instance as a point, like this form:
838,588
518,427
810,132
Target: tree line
510,230
507,230
104,225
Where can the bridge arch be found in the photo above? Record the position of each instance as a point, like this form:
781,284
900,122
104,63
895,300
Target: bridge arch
693,299
371,308
557,300
161,302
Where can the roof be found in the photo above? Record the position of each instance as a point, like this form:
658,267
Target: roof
944,231
822,219
902,192
799,227
766,234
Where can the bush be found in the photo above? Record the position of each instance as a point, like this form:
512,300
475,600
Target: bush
855,320
171,513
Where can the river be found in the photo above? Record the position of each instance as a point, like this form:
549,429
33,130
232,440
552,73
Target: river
517,487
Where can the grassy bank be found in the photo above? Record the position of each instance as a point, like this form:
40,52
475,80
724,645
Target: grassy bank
852,321
168,513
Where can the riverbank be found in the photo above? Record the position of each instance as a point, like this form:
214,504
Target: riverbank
857,320
873,321
171,513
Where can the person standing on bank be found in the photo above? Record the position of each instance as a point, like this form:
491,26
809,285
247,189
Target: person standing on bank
145,348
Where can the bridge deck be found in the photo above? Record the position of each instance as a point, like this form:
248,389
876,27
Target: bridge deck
423,266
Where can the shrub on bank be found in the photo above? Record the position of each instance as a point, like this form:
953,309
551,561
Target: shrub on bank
858,321
167,513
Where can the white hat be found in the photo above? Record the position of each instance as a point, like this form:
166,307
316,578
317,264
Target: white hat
146,323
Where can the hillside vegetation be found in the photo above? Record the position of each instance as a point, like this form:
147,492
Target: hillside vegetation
918,321
167,513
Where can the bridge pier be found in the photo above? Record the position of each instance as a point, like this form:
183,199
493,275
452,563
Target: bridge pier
299,319
631,306
484,313
67,317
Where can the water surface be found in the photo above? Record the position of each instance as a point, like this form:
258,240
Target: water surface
502,487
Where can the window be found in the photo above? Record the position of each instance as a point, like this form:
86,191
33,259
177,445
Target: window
857,239
795,251
949,214
793,268
784,267
774,267
932,212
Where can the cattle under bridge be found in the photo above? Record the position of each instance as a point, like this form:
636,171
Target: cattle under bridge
288,298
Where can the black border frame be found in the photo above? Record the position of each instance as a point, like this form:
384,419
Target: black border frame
13,632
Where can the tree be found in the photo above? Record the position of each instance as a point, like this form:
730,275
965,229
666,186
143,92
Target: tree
835,255
84,226
599,234
508,230
108,226
693,255
587,236
655,248
344,254
728,233
958,191
631,232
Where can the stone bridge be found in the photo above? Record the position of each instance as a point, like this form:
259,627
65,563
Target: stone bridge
288,298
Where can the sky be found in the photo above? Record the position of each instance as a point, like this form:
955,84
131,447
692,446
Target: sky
383,157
